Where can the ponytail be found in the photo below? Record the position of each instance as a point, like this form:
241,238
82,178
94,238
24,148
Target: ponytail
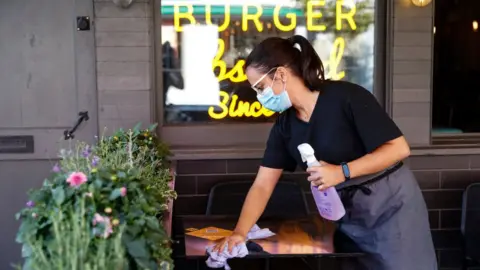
309,63
303,61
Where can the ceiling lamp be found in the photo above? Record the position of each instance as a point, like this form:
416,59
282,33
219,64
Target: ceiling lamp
421,3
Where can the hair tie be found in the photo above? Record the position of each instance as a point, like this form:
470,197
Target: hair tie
297,46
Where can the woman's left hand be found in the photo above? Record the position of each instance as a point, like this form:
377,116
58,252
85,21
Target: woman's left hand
326,175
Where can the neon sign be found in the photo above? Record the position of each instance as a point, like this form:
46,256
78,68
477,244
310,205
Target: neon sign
231,106
240,109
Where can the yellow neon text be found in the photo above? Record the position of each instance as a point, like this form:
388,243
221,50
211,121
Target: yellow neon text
182,15
311,14
242,109
230,106
255,18
279,25
339,16
335,60
208,17
236,74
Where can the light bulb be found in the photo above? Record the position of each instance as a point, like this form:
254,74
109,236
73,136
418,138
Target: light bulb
475,26
421,3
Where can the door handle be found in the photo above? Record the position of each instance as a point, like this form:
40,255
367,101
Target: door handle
82,116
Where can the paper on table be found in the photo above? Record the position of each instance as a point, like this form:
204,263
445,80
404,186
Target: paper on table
210,233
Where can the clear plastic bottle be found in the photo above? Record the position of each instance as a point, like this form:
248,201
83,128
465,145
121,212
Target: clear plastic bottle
328,202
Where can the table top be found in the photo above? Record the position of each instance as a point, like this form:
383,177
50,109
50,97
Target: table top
297,237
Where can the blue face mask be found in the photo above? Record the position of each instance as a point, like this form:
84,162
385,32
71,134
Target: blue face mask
276,103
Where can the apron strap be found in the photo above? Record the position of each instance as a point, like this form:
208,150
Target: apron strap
347,192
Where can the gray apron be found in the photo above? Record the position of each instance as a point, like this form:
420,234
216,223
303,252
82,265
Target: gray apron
387,218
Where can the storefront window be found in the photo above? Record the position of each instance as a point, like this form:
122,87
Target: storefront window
205,43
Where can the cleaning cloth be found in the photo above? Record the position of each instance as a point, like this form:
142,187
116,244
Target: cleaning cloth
219,259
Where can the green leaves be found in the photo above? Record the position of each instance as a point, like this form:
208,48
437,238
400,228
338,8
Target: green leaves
137,127
69,244
137,248
115,194
135,160
98,183
46,183
122,175
134,229
58,195
152,127
27,229
26,250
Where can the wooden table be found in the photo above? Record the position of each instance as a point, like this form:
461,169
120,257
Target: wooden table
300,237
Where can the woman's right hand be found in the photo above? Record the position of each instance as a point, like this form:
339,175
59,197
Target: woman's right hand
231,241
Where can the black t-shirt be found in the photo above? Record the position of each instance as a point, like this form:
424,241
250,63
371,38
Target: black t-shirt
346,124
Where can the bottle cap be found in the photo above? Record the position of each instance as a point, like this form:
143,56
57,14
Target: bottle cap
306,151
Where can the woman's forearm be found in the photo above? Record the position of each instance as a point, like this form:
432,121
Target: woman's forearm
252,209
380,159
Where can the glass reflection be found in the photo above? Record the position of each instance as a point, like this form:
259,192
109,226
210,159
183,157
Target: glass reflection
205,45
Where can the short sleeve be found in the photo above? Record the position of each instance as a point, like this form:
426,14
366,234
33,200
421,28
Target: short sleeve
276,154
373,124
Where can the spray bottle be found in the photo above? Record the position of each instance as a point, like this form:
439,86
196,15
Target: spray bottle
328,202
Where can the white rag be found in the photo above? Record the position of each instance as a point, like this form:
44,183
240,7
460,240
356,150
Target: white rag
219,259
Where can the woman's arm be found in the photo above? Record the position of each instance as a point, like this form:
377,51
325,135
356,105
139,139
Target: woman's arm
257,199
381,158
381,137
391,152
253,207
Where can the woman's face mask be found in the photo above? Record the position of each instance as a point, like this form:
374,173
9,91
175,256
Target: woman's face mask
268,98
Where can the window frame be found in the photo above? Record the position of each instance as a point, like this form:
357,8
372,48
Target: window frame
192,137
458,143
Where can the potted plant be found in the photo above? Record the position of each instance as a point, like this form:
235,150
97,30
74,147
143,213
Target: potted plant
121,186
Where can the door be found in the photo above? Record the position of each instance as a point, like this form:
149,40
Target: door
47,76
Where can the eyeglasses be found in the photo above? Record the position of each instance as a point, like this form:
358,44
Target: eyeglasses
254,86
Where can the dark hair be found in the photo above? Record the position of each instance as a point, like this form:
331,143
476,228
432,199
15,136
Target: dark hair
275,52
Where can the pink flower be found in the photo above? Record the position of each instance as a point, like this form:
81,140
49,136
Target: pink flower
97,218
123,191
76,179
108,228
105,221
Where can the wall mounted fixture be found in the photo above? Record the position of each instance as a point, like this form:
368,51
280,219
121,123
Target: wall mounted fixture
421,3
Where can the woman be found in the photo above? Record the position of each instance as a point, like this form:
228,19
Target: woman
360,149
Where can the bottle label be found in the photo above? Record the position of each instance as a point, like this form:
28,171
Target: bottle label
322,201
